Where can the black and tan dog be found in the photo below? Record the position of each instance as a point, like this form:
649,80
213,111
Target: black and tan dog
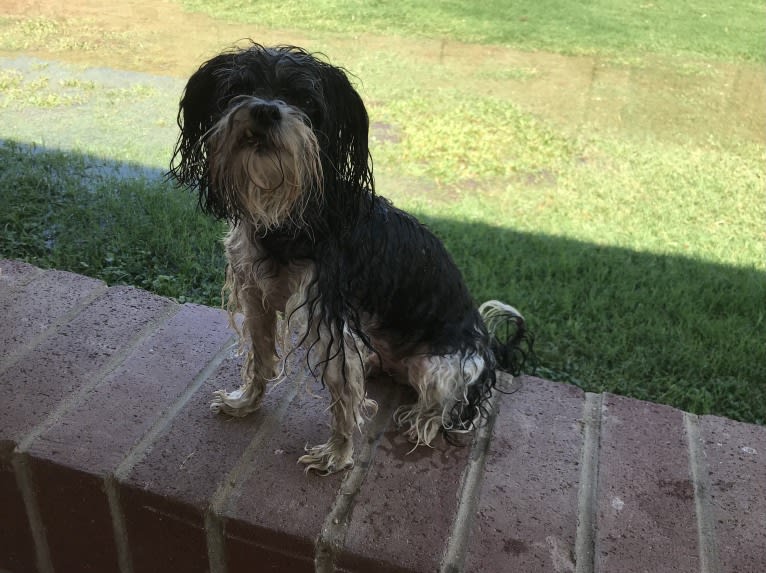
275,141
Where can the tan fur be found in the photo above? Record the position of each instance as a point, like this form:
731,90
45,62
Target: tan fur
272,186
259,291
349,407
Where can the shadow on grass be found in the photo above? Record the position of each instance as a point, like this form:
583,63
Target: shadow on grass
119,222
670,329
656,327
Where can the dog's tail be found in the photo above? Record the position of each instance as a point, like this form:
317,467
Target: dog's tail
510,348
510,340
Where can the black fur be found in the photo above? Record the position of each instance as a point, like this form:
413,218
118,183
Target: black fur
291,75
371,258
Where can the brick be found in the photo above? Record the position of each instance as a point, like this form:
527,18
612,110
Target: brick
646,510
17,551
15,273
38,305
735,455
526,517
276,512
164,533
69,359
72,356
92,439
76,517
166,494
275,553
402,517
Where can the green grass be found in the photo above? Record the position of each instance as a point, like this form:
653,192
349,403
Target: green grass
615,198
69,211
704,27
71,35
663,327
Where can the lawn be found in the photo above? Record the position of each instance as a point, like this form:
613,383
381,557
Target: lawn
602,169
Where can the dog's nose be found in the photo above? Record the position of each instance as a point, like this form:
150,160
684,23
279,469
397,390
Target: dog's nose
264,114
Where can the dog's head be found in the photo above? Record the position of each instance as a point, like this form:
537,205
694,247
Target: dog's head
268,132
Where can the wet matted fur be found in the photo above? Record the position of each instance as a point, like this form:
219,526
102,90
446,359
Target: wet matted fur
274,140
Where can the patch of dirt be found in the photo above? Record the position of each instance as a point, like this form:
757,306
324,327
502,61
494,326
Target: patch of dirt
670,98
385,132
154,36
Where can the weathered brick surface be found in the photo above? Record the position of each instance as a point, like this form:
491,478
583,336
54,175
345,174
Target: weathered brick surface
275,511
72,356
107,442
37,305
98,432
92,439
403,515
15,273
526,519
167,493
735,456
646,510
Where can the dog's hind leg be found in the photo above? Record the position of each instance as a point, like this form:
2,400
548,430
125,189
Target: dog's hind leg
441,382
259,327
343,372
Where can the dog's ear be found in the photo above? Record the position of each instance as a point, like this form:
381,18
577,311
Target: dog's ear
198,110
346,127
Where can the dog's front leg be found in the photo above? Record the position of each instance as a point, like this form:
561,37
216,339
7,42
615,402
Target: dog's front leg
259,326
343,374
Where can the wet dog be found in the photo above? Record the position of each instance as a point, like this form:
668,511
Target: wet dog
275,141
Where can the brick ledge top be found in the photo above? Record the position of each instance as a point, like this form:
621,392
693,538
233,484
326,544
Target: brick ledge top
111,461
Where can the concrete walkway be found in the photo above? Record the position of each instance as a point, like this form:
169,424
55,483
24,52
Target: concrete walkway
110,460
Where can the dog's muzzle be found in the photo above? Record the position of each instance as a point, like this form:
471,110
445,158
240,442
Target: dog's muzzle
263,118
264,161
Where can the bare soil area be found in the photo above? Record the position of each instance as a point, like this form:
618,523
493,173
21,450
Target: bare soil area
158,36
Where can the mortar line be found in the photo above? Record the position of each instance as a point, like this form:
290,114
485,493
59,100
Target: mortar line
243,466
119,526
76,397
708,549
137,453
332,536
52,328
470,490
20,463
587,495
214,520
216,543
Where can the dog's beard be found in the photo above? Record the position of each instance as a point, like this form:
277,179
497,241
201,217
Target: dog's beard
269,177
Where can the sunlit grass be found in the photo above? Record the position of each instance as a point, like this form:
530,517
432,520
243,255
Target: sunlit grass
730,30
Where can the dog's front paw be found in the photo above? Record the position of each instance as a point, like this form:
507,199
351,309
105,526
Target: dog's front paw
237,403
326,459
